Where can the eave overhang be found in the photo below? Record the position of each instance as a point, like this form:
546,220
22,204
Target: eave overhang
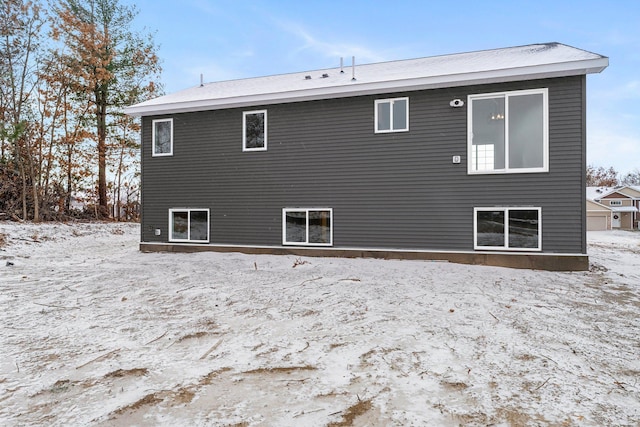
342,86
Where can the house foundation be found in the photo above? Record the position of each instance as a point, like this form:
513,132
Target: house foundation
537,261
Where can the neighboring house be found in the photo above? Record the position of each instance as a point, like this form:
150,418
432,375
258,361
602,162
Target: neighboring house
599,216
633,191
623,203
477,157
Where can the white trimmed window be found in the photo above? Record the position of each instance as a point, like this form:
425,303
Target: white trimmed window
254,130
307,227
391,115
508,228
615,202
189,225
508,132
162,137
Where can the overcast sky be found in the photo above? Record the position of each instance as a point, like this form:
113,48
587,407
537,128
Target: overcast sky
230,39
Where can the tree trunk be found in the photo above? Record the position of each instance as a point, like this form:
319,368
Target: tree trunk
33,176
101,98
117,201
36,202
24,191
69,185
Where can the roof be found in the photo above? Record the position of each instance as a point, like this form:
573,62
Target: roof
597,193
631,191
616,194
624,209
594,193
488,66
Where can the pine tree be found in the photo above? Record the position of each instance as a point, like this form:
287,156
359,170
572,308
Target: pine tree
108,64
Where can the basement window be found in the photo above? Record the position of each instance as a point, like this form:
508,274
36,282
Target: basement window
189,225
508,228
307,227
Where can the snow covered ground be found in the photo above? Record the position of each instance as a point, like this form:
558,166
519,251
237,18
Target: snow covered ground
93,332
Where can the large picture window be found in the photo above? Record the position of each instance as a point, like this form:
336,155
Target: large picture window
189,225
392,115
311,227
508,132
508,228
162,137
254,130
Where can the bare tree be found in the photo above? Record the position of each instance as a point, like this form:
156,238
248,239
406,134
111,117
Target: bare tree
20,30
631,178
601,177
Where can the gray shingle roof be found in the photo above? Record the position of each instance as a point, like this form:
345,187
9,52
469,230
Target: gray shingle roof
487,66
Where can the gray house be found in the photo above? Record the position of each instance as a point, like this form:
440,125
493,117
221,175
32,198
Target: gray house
475,157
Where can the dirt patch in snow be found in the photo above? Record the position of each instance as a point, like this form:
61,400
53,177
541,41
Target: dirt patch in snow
97,333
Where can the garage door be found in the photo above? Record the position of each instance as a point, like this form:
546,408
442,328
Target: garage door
596,223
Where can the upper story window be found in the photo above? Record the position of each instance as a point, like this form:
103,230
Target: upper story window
254,130
508,132
615,202
162,137
392,115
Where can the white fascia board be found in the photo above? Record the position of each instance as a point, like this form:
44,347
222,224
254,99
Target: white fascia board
371,88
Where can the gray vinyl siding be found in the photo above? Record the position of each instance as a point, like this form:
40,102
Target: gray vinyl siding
389,191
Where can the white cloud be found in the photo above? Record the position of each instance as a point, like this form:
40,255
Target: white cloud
206,7
625,90
613,146
616,37
185,72
212,71
330,48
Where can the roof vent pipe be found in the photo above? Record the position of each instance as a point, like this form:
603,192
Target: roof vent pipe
201,80
353,68
341,66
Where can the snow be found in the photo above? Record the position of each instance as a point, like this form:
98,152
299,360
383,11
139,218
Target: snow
505,64
95,332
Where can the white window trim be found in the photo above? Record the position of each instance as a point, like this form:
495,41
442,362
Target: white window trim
506,226
391,101
244,130
545,131
153,138
615,202
188,210
306,242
